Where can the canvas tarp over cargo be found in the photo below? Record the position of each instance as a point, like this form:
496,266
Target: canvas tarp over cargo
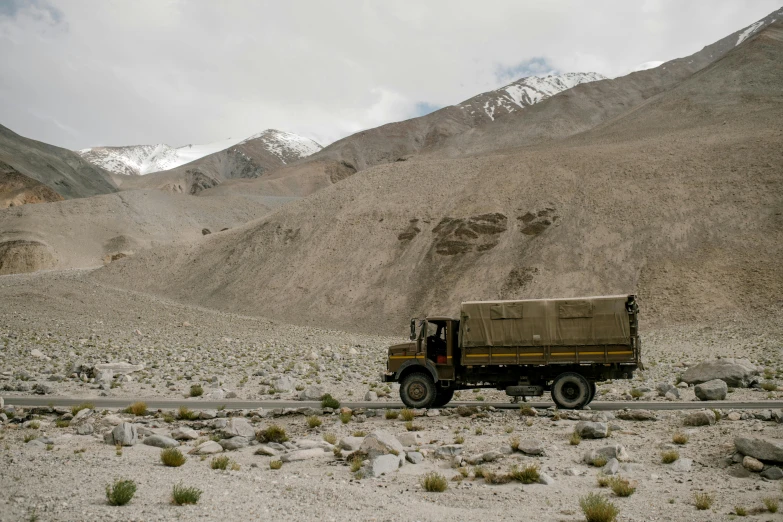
558,325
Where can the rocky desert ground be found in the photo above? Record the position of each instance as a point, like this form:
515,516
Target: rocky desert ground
65,335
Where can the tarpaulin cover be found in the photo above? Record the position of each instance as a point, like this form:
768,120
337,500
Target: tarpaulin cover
546,322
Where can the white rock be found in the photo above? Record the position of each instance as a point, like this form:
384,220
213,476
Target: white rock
682,465
207,448
381,443
351,443
384,464
184,434
160,441
124,434
119,368
409,438
305,454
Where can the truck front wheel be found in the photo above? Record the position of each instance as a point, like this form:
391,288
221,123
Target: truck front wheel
442,397
418,391
570,391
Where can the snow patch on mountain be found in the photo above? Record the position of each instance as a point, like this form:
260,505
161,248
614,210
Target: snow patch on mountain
145,159
524,92
647,65
744,35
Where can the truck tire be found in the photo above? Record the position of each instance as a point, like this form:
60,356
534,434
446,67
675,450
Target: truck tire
570,391
593,391
418,390
442,397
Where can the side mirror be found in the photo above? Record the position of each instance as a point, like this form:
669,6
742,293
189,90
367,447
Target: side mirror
413,329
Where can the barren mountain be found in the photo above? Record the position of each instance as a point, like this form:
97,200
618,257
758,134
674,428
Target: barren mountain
145,159
677,198
247,159
27,164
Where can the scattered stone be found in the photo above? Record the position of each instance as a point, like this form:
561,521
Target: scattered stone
700,418
380,443
86,428
615,451
284,383
448,450
124,434
682,465
43,389
184,434
530,447
238,427
714,390
760,448
371,396
734,416
409,438
38,354
119,368
312,393
207,448
772,473
738,373
160,441
350,443
751,464
671,396
384,464
234,443
466,411
664,387
414,457
267,451
611,467
492,456
738,472
305,454
637,415
592,430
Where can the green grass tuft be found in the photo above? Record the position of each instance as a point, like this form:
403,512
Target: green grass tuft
196,390
434,482
182,495
273,433
598,508
121,492
527,475
327,401
703,501
172,457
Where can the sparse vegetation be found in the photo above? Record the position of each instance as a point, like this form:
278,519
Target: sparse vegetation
412,427
740,511
680,438
183,413
598,508
273,433
459,439
702,500
172,457
359,433
327,401
527,475
345,417
313,422
479,430
637,393
392,414
490,477
196,390
181,495
527,411
767,386
61,423
603,480
83,406
34,425
669,456
575,439
771,503
138,409
331,438
407,414
622,487
599,461
121,492
275,464
355,462
223,463
434,482
514,443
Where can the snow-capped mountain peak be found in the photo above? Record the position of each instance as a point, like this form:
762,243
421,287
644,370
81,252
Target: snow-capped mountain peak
524,92
145,159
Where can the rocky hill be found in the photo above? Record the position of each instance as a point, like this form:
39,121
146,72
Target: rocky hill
676,197
30,171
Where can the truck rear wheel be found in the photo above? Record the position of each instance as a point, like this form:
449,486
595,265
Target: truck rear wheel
593,391
442,397
570,391
418,390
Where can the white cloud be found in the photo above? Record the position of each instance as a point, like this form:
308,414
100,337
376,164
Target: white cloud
181,72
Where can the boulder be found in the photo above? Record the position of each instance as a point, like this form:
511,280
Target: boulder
682,465
493,455
234,443
384,464
738,472
751,464
772,473
266,450
714,390
615,451
312,393
637,415
371,396
86,428
118,368
124,434
760,448
184,434
351,443
380,443
305,454
414,457
284,383
448,450
530,447
238,427
738,373
611,467
409,438
592,430
545,479
207,448
160,441
664,387
700,418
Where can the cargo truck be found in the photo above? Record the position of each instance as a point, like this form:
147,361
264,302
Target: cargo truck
524,347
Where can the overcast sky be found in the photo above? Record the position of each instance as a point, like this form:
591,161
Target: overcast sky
104,72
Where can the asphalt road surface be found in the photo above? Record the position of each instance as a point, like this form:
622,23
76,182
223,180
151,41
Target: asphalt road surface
196,404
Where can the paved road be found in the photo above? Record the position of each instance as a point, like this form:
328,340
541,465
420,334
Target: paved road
195,404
